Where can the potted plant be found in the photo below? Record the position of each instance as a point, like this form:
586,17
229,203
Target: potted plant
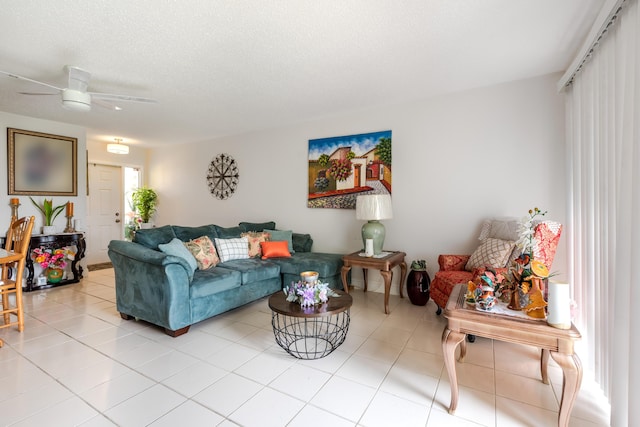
50,214
145,201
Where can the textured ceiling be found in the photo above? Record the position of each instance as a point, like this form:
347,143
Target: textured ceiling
227,67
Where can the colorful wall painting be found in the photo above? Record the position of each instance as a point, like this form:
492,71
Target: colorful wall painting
343,167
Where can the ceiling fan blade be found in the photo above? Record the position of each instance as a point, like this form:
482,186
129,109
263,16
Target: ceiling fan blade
15,76
78,78
114,97
34,93
104,104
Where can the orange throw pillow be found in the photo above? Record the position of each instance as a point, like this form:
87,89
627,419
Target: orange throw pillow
275,249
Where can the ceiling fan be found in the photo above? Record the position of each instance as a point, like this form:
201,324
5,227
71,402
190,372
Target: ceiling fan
76,97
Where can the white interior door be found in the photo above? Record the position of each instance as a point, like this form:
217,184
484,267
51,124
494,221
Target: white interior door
105,208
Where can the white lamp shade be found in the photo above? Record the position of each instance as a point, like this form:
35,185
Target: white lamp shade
118,148
374,207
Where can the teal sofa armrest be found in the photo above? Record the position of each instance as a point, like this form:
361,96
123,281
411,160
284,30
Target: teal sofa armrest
151,285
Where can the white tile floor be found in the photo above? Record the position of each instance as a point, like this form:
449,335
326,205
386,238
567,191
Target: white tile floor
79,363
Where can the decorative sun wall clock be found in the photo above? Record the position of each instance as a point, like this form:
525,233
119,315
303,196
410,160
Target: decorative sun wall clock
222,177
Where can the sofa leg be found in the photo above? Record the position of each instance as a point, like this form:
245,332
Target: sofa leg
177,332
126,316
438,311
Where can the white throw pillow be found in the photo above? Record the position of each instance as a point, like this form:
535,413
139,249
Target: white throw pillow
229,249
491,253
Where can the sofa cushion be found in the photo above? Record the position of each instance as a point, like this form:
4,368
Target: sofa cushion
491,253
230,249
214,280
301,242
152,237
275,249
257,226
176,248
255,238
325,264
203,251
228,232
189,233
253,269
282,235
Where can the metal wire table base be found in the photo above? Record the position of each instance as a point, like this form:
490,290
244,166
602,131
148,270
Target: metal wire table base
310,337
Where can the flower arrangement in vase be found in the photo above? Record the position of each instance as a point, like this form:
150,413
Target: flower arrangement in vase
53,258
527,274
309,293
53,261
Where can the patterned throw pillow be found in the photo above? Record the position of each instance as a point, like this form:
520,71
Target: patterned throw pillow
203,251
255,238
491,253
229,249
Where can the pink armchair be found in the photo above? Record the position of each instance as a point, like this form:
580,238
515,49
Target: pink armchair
452,267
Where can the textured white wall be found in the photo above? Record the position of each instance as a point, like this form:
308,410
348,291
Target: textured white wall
457,159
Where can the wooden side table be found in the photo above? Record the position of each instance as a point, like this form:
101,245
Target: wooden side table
463,320
384,265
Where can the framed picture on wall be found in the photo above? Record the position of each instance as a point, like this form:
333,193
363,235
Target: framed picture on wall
41,163
343,167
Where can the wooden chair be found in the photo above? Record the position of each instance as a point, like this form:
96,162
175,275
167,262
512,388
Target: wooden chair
13,259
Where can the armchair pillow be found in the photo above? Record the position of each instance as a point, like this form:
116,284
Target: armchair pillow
492,252
500,228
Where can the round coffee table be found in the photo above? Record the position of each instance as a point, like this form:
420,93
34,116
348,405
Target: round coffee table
310,332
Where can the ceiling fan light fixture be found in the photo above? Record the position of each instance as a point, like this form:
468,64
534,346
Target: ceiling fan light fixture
75,100
118,148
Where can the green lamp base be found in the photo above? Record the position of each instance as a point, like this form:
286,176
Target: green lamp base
373,230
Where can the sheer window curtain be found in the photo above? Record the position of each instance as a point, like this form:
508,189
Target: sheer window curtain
603,147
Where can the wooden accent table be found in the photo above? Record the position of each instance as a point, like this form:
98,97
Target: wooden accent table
463,320
384,264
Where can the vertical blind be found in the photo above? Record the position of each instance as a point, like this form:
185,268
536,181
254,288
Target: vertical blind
603,152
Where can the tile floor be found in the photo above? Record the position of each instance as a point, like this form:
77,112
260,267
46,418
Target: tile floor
79,363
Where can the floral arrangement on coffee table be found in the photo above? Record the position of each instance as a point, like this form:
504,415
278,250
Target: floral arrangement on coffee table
308,294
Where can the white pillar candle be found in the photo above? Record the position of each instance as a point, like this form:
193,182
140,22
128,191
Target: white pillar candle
368,247
559,306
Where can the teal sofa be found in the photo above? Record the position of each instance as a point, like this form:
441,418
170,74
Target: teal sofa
163,290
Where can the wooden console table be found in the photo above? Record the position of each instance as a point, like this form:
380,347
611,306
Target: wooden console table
54,241
384,264
463,320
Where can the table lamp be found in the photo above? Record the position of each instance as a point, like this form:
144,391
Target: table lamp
373,208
